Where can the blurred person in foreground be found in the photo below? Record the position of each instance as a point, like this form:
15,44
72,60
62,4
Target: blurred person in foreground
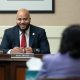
36,39
65,63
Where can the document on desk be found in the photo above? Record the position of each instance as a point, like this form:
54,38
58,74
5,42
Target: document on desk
22,55
34,66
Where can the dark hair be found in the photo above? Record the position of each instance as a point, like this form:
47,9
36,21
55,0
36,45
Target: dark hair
70,42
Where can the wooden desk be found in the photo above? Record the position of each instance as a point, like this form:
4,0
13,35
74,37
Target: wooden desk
13,69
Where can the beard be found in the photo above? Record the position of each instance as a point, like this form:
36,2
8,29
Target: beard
23,30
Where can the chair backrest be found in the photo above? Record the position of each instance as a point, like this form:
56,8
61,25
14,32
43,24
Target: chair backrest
31,75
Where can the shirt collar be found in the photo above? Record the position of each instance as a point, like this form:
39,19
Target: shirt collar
27,31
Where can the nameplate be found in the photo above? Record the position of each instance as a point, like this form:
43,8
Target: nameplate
22,55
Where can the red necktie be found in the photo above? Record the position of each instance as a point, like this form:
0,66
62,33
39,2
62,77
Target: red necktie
23,40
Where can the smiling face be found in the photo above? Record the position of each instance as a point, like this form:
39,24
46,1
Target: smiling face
23,19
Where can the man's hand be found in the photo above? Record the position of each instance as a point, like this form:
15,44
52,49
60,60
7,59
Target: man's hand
28,50
17,50
21,50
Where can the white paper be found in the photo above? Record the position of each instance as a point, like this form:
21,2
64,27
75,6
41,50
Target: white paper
34,64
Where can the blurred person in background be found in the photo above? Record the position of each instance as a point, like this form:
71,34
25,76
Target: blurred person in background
66,62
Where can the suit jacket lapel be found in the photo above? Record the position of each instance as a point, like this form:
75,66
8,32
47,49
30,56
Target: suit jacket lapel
32,36
17,41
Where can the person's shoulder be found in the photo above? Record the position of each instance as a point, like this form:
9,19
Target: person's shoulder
37,27
11,29
48,56
51,56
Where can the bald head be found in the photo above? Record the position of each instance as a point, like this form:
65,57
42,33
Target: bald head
25,11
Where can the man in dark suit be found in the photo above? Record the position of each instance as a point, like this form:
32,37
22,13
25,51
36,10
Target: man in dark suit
36,39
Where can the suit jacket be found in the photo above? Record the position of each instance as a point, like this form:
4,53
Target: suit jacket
38,41
59,66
